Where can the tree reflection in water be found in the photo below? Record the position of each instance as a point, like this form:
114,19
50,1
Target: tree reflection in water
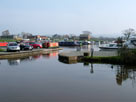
124,73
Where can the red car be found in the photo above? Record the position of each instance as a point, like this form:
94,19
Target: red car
35,44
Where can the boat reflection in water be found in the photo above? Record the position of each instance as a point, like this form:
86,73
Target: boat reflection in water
51,55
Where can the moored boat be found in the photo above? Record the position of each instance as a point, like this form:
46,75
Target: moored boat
130,44
110,46
69,43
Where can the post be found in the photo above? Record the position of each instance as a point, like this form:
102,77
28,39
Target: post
92,50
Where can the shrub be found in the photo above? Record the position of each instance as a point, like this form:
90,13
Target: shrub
128,56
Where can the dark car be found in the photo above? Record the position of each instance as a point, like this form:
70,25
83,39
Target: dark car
25,46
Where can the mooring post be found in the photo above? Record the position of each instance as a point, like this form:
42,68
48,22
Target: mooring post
92,50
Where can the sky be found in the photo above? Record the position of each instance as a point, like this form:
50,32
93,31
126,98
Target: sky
48,17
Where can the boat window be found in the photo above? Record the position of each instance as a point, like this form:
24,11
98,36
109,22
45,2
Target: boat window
111,45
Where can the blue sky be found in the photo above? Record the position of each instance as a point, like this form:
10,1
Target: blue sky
101,17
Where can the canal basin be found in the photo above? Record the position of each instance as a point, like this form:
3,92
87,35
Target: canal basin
42,78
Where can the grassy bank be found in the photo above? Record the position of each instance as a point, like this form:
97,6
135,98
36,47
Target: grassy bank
108,60
125,57
7,40
2,50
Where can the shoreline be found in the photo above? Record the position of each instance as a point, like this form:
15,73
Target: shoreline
22,54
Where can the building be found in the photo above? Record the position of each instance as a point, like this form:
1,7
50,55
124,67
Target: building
44,37
26,35
85,36
5,33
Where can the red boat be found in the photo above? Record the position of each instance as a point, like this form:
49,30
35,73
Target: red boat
50,45
3,44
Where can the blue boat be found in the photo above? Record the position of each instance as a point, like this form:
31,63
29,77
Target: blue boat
69,43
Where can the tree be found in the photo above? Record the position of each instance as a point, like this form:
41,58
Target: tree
129,32
120,41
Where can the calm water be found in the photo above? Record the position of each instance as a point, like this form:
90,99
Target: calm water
43,78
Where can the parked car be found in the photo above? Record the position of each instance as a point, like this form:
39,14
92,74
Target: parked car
25,46
13,46
36,44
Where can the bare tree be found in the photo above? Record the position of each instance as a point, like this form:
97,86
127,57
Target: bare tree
129,32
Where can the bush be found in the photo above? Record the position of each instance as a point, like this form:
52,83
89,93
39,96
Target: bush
128,56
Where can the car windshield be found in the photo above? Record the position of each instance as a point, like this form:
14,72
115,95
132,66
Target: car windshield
13,44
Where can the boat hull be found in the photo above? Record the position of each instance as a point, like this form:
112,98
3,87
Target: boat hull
108,48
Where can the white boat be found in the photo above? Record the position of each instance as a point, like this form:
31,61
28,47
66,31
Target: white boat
131,44
110,46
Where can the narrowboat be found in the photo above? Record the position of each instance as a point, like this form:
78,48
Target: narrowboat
3,44
69,43
50,45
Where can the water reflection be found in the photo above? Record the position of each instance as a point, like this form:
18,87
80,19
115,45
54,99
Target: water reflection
14,62
122,73
50,55
43,78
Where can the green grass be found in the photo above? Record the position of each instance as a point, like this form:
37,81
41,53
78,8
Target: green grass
110,60
125,57
127,60
7,40
2,50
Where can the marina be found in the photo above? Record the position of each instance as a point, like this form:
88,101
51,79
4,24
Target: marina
67,51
